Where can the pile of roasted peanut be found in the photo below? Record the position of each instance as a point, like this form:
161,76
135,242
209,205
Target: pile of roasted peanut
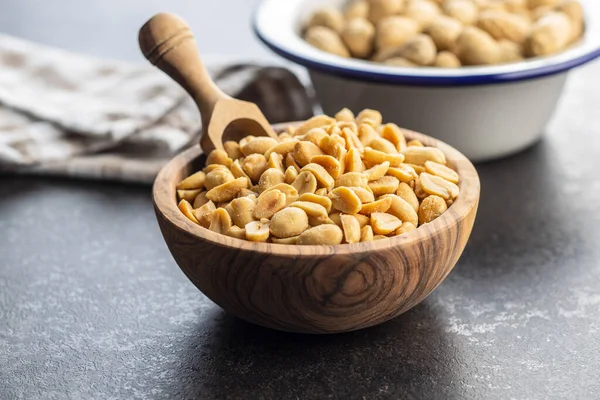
326,181
446,33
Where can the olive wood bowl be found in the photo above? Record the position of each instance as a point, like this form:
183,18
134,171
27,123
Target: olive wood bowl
317,289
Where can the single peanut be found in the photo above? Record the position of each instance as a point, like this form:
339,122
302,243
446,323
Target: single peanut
345,115
366,134
242,211
353,161
366,234
203,213
442,171
270,178
290,175
355,179
326,234
194,181
267,205
377,157
315,136
188,195
404,173
257,231
289,222
345,200
238,171
402,210
282,148
446,59
419,155
254,165
358,34
227,191
549,34
394,134
381,206
404,228
384,185
384,223
304,151
435,185
503,25
220,221
326,39
186,208
200,200
233,149
444,31
236,232
291,194
290,162
313,210
477,47
420,49
431,208
367,115
318,199
378,171
219,157
323,177
330,163
365,195
423,12
217,177
259,145
275,160
351,228
305,183
406,192
317,121
394,31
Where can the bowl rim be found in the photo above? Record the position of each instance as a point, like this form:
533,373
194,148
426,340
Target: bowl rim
165,203
283,38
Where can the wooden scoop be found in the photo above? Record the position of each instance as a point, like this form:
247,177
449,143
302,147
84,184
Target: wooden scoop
167,42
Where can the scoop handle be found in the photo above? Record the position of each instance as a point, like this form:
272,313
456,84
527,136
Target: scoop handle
168,43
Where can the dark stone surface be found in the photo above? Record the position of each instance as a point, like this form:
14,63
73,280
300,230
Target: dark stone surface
93,306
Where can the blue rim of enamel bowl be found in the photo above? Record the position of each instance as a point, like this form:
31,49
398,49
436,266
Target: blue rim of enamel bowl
283,38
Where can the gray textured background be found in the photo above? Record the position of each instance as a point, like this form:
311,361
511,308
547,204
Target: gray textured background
93,306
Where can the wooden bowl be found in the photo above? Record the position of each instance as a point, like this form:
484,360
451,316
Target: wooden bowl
317,289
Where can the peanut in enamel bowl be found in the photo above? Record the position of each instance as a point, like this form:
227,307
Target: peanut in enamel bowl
486,112
317,288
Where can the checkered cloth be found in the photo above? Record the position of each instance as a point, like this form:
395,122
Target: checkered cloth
73,115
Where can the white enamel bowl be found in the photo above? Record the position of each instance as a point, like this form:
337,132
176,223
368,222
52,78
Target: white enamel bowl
485,112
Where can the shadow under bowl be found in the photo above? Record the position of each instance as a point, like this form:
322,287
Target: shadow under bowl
317,289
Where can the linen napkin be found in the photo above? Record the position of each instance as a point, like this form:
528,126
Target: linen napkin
74,115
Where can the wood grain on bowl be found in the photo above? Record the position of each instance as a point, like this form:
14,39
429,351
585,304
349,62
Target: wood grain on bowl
317,289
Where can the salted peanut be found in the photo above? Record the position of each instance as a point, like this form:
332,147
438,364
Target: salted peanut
353,162
275,160
384,185
304,151
269,204
323,177
326,39
404,173
358,34
394,31
363,220
369,115
431,208
203,213
217,177
373,157
446,59
394,134
419,155
383,145
422,12
352,179
420,49
477,47
282,148
416,143
220,221
352,141
540,3
218,156
200,200
549,34
574,10
236,232
330,143
328,17
186,208
315,211
419,191
442,171
270,178
257,231
227,191
345,200
233,149
366,134
254,165
400,62
365,195
330,163
381,205
245,140
435,185
317,121
259,145
379,9
336,218
377,171
290,162
464,11
419,169
212,167
305,183
339,153
344,115
326,234
357,9
366,234
315,136
407,193
351,228
503,25
289,222
290,175
321,200
321,192
242,210
404,228
195,181
384,223
290,240
291,194
402,210
188,195
444,31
